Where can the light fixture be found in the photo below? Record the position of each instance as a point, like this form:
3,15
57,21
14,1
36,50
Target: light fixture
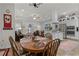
36,5
36,17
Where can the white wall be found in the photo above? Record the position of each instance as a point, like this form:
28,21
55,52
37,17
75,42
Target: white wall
4,34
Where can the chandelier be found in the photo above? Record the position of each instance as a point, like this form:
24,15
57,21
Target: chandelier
36,5
36,17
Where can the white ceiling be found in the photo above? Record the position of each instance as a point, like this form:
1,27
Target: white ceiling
46,11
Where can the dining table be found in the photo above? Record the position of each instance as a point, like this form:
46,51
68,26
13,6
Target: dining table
34,46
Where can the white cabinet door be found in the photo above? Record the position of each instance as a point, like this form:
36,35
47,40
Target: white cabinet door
57,35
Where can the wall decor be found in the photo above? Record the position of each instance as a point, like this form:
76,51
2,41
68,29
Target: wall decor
48,27
70,16
7,22
7,11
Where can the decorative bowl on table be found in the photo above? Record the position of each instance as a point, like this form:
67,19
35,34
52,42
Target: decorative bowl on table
39,44
36,41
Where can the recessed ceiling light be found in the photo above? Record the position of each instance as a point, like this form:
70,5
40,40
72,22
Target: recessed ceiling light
22,10
34,18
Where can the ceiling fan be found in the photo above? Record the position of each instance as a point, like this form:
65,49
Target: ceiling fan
36,5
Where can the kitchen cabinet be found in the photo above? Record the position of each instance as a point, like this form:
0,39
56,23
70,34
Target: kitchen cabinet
57,35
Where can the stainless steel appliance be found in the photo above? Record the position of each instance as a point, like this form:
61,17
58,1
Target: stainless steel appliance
70,30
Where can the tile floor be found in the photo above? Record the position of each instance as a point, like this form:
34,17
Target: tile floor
68,48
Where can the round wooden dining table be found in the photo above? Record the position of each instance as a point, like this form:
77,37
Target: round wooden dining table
29,45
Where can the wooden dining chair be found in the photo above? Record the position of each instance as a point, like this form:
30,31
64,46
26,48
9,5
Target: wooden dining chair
17,51
6,52
18,36
51,48
14,47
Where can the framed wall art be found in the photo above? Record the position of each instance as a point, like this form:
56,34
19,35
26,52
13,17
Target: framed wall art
7,18
48,27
